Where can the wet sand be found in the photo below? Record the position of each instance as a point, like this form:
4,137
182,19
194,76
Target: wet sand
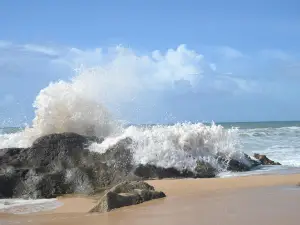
268,199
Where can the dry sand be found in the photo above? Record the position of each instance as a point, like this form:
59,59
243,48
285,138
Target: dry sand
268,199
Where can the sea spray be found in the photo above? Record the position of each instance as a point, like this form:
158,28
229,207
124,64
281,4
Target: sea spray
81,105
179,146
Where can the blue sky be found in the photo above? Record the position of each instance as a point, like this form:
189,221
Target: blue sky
197,60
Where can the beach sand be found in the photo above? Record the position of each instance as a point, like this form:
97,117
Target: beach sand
265,199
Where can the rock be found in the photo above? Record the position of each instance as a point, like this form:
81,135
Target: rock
265,160
245,163
204,170
148,171
125,194
151,172
58,164
7,185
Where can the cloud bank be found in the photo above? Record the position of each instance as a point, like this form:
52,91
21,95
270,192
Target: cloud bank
148,86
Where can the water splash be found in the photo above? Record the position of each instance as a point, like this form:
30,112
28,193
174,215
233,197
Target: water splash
179,146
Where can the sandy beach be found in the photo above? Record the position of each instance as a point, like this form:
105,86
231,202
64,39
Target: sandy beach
268,199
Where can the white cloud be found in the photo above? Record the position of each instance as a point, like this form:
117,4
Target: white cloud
229,53
118,73
244,85
40,49
213,66
5,44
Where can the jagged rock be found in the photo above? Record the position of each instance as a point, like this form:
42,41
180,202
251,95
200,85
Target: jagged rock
59,164
7,185
148,171
204,170
265,160
245,163
125,194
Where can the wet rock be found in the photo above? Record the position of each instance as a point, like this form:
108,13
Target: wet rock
7,185
126,194
58,164
265,160
244,163
204,170
148,171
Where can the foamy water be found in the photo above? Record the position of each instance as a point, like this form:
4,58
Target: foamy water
179,145
279,143
22,206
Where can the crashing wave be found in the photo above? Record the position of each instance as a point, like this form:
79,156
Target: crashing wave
78,106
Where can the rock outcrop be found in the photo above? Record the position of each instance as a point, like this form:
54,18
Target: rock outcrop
59,164
265,160
244,163
126,194
148,171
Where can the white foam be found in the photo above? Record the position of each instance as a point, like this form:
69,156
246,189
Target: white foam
80,105
22,206
178,146
281,144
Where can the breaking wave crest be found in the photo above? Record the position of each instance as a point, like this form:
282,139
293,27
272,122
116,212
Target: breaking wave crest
179,146
79,106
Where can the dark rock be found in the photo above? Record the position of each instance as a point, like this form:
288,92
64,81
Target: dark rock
237,166
204,170
93,139
125,194
7,185
153,172
265,160
244,163
59,164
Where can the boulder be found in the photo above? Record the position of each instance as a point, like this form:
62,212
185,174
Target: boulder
265,160
58,164
244,163
148,171
204,170
126,194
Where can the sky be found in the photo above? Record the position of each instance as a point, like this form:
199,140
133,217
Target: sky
157,61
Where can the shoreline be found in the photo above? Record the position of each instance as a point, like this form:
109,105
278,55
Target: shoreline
182,194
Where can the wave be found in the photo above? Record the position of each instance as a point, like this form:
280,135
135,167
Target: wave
75,106
22,206
179,146
280,143
270,131
82,105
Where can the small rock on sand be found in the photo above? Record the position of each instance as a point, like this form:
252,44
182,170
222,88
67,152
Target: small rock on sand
125,194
